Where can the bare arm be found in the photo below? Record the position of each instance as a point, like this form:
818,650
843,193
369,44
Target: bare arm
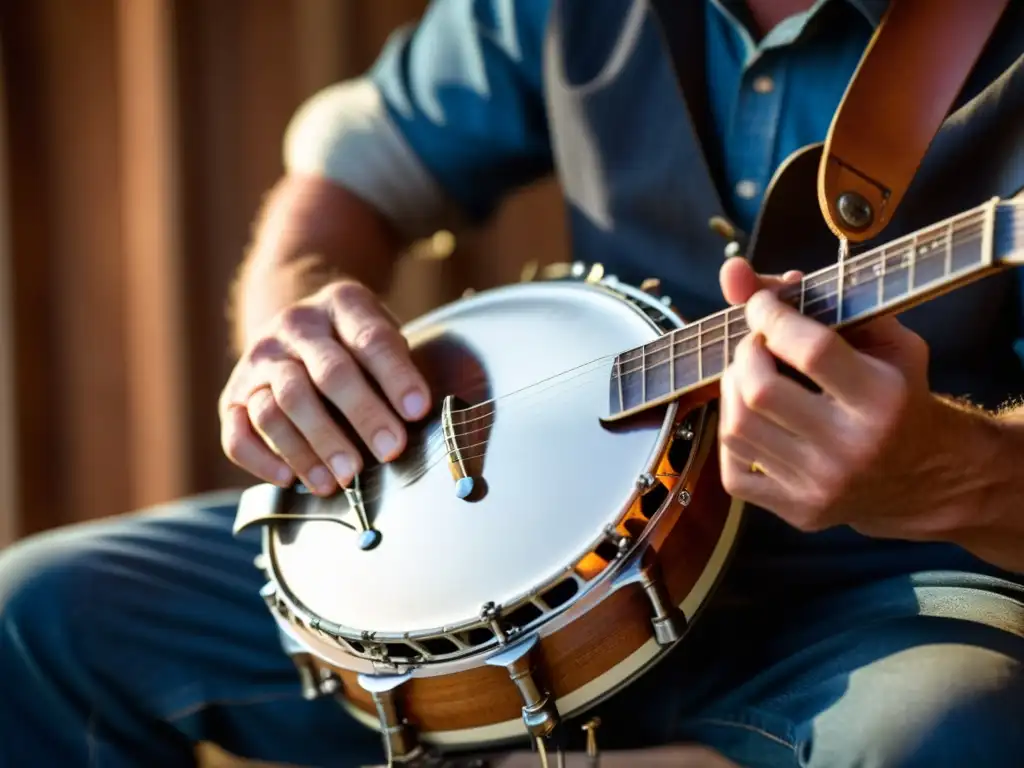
310,232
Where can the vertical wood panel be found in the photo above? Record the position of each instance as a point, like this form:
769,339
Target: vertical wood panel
158,399
9,464
38,418
81,91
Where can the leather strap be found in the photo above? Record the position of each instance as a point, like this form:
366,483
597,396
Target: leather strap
903,89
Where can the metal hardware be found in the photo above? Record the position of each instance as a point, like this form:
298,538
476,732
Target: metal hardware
652,286
400,743
684,433
590,728
722,226
733,249
645,482
855,210
737,239
685,498
491,613
540,715
369,537
622,542
316,681
463,482
668,620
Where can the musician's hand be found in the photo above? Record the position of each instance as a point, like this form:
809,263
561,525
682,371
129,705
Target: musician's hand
273,421
864,450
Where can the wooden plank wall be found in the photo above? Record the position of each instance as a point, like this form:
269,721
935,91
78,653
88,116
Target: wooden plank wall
139,137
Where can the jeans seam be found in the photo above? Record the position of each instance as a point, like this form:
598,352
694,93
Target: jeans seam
747,727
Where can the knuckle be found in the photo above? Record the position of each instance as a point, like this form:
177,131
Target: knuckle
265,413
774,318
299,319
265,348
333,372
815,350
760,393
292,394
347,292
374,339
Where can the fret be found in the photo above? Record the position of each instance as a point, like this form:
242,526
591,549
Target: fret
880,276
912,266
967,247
658,378
820,298
711,360
725,340
643,373
896,284
700,352
684,363
841,270
947,267
672,362
861,289
1006,239
617,383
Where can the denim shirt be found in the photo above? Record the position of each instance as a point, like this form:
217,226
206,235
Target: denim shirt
493,94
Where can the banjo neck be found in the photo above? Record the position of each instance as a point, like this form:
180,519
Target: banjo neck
887,279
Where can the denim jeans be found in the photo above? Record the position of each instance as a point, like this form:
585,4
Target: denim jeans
126,641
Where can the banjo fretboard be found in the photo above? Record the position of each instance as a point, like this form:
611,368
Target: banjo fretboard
893,277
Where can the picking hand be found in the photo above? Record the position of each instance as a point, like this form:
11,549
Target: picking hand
852,454
274,423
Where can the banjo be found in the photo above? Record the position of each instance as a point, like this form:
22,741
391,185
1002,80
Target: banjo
557,525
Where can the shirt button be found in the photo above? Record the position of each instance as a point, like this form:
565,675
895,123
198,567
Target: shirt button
746,189
763,84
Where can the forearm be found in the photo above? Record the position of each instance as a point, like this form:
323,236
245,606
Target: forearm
991,512
310,232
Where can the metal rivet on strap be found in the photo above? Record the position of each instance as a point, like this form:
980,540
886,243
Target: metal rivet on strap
855,210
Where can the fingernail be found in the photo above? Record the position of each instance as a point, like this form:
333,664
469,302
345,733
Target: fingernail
413,404
320,478
343,467
284,476
384,444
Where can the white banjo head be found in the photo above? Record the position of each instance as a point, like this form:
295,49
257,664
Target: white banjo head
552,476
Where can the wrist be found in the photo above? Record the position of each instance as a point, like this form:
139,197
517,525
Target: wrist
310,232
265,288
984,511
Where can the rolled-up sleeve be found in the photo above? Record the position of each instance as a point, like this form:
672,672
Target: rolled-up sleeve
449,120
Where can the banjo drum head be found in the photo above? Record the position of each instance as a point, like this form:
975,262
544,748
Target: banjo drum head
551,477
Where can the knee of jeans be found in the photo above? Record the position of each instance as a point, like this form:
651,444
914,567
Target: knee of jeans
964,712
41,589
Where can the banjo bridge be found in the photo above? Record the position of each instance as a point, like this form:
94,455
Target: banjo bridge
465,431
